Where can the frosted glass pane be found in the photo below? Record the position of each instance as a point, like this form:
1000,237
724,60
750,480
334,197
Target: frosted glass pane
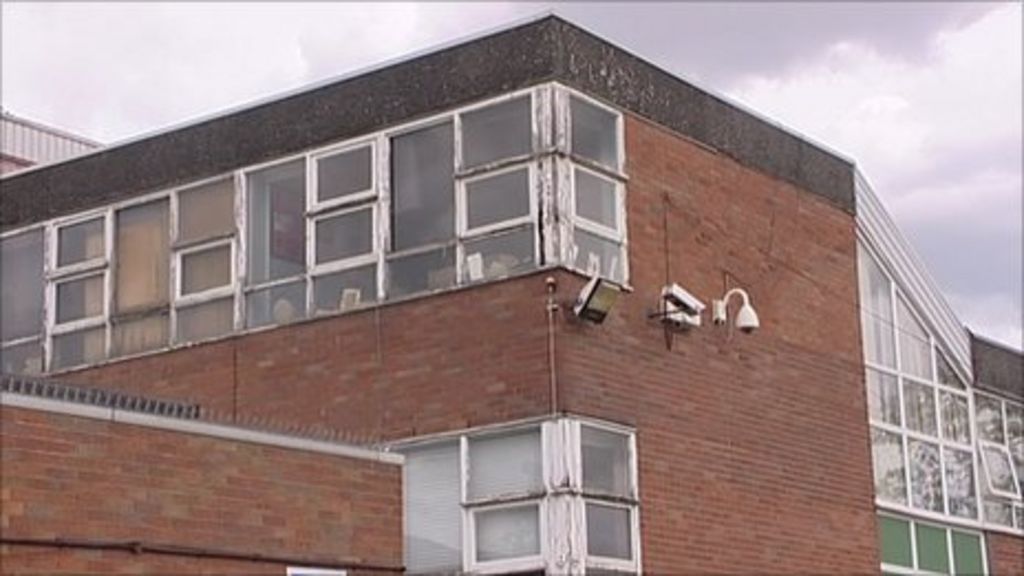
496,132
504,464
598,254
140,334
883,397
999,469
960,483
433,514
207,320
344,236
80,242
342,174
206,211
609,532
205,269
888,466
497,198
988,413
596,199
504,533
956,422
919,401
81,298
499,255
998,511
915,348
594,133
605,456
946,375
142,254
925,475
21,279
83,347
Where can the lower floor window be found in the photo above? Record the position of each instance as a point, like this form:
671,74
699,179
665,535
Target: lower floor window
913,547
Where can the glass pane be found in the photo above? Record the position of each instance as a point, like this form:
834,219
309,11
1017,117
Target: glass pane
24,358
883,397
205,269
423,192
894,541
946,374
932,549
605,456
206,211
608,531
956,421
887,459
277,305
498,131
82,298
140,335
80,242
142,256
207,320
343,174
967,554
1015,438
999,469
432,270
989,414
84,347
596,199
344,236
876,308
594,134
504,533
919,400
960,483
346,289
915,349
504,464
497,198
925,475
21,275
998,512
433,513
598,254
277,222
500,255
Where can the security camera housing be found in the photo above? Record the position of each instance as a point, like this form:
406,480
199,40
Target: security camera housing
680,308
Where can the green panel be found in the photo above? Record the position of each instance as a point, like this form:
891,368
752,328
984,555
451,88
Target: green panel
967,554
932,549
894,541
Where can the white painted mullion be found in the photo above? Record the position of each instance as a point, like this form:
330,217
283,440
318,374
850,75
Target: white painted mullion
175,274
468,530
110,236
241,241
309,226
383,182
913,544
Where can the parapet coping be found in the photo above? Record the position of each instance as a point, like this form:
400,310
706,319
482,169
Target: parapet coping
195,427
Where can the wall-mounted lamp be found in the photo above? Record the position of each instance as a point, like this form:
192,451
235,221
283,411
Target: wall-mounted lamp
595,300
746,318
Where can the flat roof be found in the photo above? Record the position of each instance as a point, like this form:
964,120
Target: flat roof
539,50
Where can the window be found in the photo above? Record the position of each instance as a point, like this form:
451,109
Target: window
142,282
922,448
205,254
596,191
300,571
79,280
1000,425
482,502
21,303
911,547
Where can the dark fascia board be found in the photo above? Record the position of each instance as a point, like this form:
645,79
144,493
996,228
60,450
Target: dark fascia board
538,51
997,368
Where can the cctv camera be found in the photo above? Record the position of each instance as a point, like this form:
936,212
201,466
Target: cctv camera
682,300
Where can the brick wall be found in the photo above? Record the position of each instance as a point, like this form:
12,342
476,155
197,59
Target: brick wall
1005,554
753,449
72,478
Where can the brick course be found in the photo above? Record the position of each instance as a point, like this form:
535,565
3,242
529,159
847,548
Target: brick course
76,478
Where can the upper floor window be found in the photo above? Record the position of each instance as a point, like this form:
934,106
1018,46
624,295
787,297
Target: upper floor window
21,302
493,501
1001,440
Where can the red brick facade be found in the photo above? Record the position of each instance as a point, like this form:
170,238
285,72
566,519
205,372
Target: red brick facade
213,500
754,450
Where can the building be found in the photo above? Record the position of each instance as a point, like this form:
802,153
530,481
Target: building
26,143
397,256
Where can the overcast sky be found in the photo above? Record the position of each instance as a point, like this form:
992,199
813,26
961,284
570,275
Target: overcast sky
925,96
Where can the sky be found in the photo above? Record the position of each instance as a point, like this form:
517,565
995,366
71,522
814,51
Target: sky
926,97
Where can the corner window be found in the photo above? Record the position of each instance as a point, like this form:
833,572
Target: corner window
595,133
1000,425
911,547
491,501
21,303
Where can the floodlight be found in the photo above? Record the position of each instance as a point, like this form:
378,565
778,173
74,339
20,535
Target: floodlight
595,300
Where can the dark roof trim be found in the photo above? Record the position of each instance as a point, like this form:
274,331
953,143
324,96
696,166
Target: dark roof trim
997,367
537,51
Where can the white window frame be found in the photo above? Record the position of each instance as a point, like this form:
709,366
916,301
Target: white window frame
985,446
300,571
948,529
465,232
503,566
313,203
42,337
